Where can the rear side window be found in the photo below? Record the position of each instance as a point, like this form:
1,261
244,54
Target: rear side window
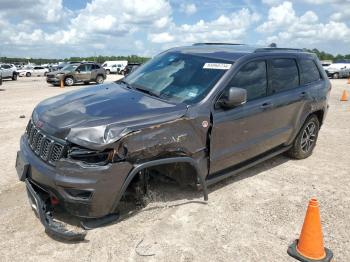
284,75
309,71
252,77
94,66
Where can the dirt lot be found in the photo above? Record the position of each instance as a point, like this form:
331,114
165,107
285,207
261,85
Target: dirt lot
251,217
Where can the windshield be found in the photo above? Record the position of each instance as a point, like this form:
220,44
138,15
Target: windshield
178,77
69,67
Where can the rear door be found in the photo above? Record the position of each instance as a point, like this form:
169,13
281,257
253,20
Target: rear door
287,96
94,71
241,133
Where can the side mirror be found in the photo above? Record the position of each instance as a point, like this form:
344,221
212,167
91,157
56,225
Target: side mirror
78,70
233,97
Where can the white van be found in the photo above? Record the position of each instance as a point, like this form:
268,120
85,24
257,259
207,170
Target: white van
114,66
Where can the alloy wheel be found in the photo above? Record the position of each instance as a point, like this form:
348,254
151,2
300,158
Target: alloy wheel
309,137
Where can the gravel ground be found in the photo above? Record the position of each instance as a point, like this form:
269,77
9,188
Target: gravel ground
251,217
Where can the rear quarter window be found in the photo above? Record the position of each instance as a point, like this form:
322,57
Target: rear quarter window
284,75
309,71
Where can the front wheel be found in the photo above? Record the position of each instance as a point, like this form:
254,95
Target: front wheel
69,81
108,71
336,76
99,79
28,74
305,142
14,77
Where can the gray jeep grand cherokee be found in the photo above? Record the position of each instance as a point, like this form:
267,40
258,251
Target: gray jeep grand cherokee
196,114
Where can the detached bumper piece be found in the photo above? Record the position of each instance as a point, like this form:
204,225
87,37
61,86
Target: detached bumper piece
52,228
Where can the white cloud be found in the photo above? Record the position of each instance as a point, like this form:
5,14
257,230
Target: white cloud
306,30
188,9
226,28
161,38
42,11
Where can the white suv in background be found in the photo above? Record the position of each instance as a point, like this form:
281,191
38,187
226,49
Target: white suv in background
114,66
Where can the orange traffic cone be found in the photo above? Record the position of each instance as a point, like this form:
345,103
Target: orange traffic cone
344,96
310,247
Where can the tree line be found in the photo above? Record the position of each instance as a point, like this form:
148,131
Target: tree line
98,59
326,56
135,58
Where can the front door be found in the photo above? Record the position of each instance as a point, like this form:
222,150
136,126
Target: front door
83,72
243,132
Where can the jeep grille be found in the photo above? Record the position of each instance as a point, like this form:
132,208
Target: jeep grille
47,148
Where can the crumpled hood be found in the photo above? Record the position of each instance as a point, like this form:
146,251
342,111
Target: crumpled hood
97,116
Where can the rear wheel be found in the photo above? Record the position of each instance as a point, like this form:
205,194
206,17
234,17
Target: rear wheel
86,82
14,76
99,79
336,76
28,74
305,142
69,81
108,71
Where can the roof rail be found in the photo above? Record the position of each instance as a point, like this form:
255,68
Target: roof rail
277,49
195,44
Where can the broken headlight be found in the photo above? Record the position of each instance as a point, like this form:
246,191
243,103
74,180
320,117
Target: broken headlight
90,156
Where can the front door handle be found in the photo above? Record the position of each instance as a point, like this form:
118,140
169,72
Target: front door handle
266,105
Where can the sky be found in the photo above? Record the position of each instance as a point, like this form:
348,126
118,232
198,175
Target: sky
66,28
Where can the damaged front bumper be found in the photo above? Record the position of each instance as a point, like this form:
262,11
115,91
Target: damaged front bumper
52,228
86,191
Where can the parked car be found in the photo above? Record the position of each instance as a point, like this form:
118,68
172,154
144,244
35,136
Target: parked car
8,71
338,70
114,66
196,114
130,68
33,71
77,73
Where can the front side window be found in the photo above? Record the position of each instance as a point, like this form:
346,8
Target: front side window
309,71
284,75
178,77
251,77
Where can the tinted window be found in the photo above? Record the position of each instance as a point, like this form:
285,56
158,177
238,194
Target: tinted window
284,75
95,67
6,66
251,77
309,71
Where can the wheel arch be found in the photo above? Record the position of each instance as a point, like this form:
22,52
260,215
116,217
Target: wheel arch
154,163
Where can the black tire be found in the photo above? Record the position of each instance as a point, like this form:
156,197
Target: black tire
305,142
14,76
99,79
108,71
336,75
45,73
69,81
28,74
86,82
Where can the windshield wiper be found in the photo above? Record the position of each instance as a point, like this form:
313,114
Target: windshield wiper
146,91
125,83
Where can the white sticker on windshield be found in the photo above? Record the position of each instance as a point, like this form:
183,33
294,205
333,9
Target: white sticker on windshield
220,66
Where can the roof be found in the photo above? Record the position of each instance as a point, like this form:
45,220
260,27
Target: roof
230,52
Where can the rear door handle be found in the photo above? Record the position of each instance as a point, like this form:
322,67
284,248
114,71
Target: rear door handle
266,105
